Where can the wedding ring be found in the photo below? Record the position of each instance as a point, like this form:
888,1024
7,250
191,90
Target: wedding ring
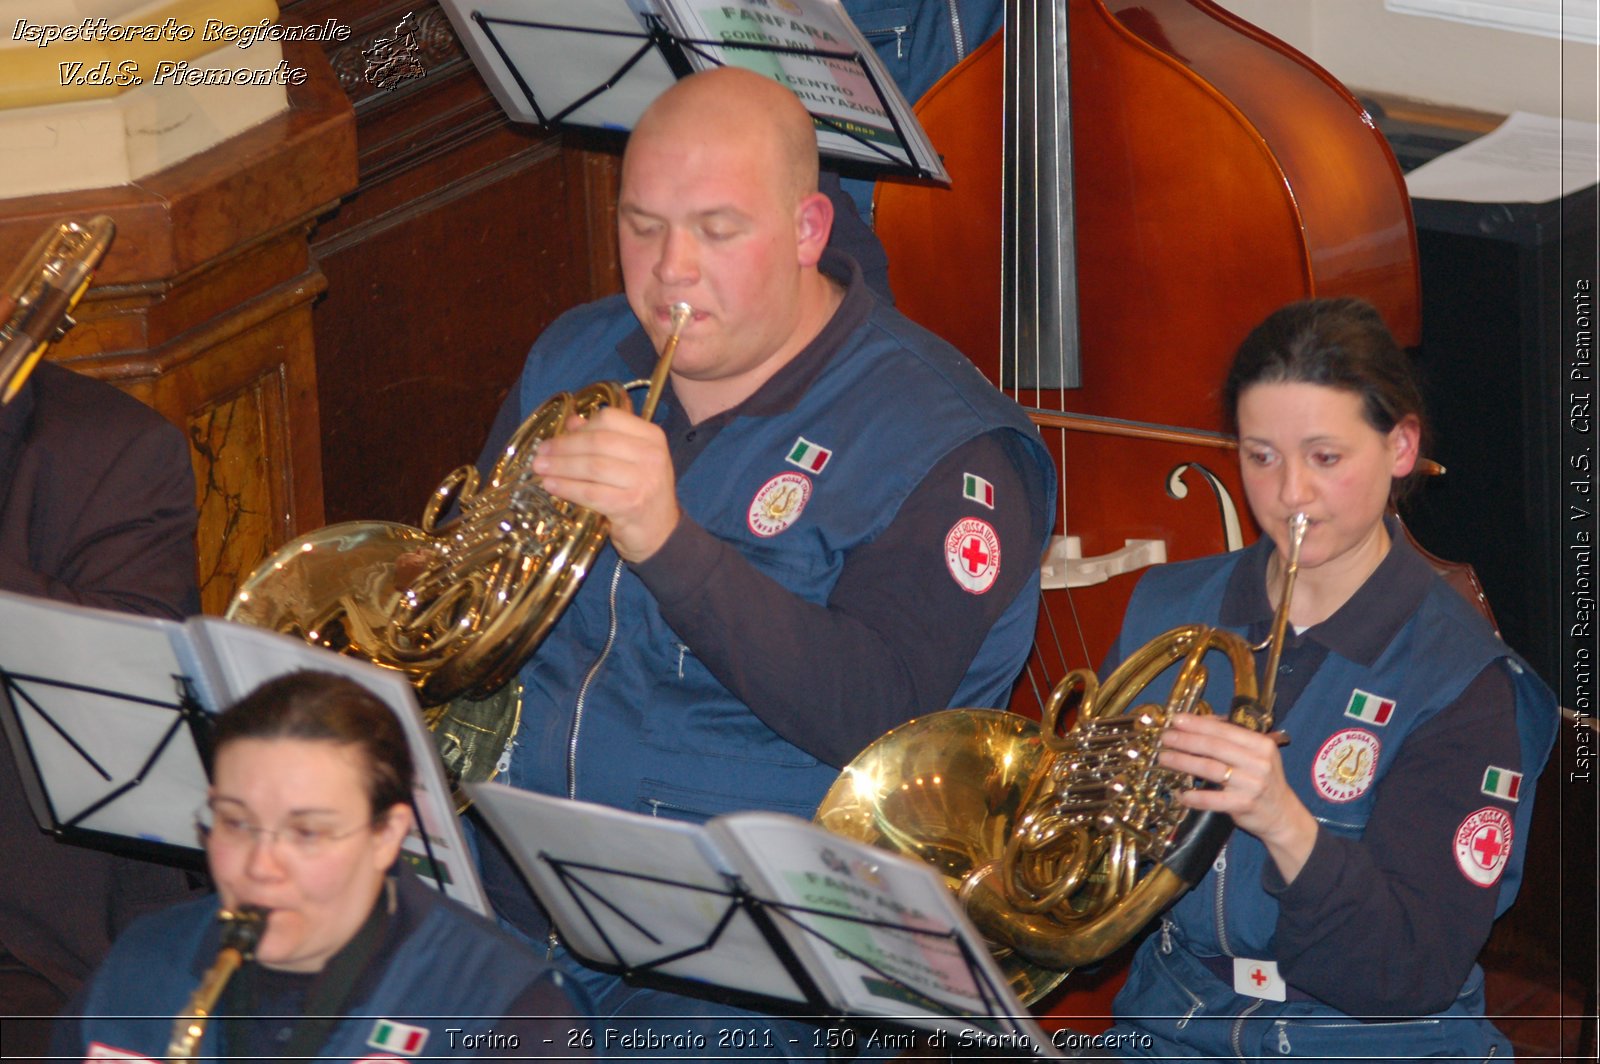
1228,775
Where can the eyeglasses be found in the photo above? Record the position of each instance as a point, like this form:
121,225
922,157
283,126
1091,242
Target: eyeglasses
228,828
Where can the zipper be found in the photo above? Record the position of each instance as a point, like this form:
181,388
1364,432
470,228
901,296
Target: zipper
1238,1029
899,38
1195,1003
1220,865
957,34
588,679
1283,1039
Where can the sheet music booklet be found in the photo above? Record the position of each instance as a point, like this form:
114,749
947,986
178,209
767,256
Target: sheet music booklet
766,904
107,715
599,64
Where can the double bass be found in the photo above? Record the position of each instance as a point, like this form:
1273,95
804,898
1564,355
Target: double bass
1101,262
1165,176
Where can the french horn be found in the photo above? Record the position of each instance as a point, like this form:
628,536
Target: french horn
38,298
458,604
1061,845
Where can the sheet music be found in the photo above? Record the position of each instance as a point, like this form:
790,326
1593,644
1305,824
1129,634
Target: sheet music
1528,159
95,695
112,739
614,917
561,49
900,953
831,87
593,63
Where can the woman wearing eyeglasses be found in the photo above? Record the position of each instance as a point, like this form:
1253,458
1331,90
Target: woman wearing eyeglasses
308,807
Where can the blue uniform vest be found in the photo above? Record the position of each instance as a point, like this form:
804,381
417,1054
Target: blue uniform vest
658,733
1425,667
453,971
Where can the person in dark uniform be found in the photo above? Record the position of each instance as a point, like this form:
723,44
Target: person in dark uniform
1344,916
97,507
833,523
358,959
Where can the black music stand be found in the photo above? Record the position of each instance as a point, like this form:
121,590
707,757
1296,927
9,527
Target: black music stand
110,769
588,64
108,719
772,911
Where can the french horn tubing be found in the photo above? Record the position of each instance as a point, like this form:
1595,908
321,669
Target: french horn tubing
458,604
37,300
1061,845
241,933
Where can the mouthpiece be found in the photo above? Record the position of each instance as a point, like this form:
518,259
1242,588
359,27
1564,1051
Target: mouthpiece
658,380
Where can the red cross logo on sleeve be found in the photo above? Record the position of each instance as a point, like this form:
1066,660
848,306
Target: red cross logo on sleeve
1486,845
1483,845
972,553
1259,976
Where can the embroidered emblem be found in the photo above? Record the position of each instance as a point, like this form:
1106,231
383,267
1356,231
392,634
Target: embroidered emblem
1502,783
977,489
1258,979
101,1051
808,456
1346,765
1483,845
398,1037
972,551
1369,708
779,503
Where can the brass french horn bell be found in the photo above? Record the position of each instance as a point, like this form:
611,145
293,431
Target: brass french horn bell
1061,845
458,604
38,298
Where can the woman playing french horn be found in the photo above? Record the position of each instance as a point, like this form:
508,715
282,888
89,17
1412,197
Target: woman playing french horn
1376,848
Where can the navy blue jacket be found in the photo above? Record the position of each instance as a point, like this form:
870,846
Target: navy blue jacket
441,970
1445,702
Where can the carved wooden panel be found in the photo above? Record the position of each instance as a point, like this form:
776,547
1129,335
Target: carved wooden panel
466,236
202,309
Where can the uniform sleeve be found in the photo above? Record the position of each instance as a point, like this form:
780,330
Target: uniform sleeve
1390,924
133,534
896,635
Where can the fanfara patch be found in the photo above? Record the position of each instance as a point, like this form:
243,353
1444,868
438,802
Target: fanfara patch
972,551
398,1037
1483,845
779,503
1346,765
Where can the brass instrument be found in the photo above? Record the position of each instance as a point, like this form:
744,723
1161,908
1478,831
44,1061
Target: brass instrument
38,298
458,604
1060,845
241,933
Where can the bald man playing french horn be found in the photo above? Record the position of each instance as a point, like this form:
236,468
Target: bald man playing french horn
832,523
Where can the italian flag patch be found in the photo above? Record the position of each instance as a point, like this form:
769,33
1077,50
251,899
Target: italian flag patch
397,1037
1369,708
978,490
1502,783
807,455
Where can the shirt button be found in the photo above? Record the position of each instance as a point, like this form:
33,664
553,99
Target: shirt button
691,435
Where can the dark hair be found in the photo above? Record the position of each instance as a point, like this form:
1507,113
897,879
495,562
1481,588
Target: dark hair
324,707
1337,343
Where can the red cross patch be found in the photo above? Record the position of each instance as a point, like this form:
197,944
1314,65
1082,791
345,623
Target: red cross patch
972,552
1483,845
